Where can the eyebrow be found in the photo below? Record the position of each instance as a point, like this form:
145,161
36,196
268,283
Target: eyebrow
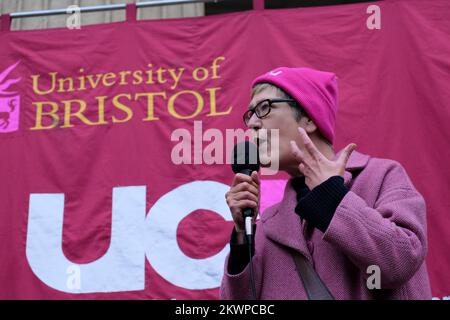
250,106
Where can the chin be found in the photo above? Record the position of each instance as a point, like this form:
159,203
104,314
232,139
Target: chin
264,161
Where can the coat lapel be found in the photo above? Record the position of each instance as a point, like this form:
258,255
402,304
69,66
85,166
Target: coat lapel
281,224
356,162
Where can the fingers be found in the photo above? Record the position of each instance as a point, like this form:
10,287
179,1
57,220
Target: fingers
255,177
309,145
302,168
298,154
245,195
245,186
311,151
248,204
345,155
240,177
241,199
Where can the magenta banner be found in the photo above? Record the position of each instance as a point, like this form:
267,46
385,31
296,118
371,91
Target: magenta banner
114,138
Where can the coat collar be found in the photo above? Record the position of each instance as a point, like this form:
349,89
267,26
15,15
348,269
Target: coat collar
283,225
357,161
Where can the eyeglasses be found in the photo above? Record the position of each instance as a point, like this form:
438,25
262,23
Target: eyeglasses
262,108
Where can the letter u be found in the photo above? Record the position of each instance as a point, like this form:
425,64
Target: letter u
121,268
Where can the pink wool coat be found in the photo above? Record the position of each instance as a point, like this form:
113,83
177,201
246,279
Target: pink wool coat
380,221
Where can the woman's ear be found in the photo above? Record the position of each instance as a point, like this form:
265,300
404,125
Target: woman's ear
310,127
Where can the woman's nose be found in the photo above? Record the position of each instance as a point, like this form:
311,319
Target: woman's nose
254,122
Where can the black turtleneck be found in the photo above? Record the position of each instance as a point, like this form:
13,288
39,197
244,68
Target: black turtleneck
317,206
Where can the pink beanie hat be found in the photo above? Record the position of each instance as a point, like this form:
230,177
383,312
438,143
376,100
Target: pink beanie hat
316,92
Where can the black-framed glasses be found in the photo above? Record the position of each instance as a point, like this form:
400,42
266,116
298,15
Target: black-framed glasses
262,108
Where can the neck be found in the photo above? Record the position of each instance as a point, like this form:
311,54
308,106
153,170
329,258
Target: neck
326,149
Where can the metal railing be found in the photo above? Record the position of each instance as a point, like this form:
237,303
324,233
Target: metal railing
107,7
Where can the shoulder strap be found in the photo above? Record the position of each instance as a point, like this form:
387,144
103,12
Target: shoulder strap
315,288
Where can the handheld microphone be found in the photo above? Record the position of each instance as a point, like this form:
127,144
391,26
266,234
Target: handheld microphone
246,160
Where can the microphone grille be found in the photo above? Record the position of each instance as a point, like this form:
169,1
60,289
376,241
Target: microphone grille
245,157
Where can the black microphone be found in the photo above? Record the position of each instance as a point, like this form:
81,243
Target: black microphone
246,160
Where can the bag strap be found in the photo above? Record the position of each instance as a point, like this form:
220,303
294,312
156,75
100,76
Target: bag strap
314,286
